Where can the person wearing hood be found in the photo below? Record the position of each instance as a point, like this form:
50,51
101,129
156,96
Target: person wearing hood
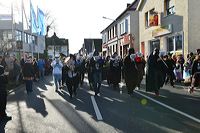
115,70
156,72
130,71
73,77
28,74
3,95
140,63
96,65
195,74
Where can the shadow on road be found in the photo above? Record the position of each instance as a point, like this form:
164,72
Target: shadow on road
2,126
35,101
136,117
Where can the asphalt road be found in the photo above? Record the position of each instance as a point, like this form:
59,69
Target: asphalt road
45,111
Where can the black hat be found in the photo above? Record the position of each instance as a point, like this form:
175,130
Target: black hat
96,53
131,51
156,50
1,70
169,54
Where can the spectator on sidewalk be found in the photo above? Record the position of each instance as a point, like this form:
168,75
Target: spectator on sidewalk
28,74
3,95
41,67
195,74
57,72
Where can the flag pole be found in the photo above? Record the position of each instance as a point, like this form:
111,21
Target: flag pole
31,33
38,34
12,26
22,8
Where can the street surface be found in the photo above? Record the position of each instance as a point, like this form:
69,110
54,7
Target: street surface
45,111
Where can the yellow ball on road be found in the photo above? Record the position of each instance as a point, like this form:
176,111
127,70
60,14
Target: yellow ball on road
143,101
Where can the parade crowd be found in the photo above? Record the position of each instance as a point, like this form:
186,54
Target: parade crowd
71,71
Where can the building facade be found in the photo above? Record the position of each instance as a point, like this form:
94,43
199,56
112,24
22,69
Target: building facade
170,25
14,41
122,33
57,46
90,45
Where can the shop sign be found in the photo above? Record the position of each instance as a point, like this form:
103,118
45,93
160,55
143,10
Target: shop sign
153,20
162,30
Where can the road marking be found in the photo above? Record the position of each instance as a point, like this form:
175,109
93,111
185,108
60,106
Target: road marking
96,109
170,108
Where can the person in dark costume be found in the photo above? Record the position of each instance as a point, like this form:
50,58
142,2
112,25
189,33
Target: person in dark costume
28,74
195,74
156,72
96,65
115,70
171,65
106,70
89,71
130,71
73,77
140,63
3,95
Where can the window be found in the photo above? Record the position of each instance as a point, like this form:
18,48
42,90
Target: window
116,30
26,37
170,45
18,35
122,28
124,25
169,6
178,41
154,44
113,32
151,18
146,19
175,43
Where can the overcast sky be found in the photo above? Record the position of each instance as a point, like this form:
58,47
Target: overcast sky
76,20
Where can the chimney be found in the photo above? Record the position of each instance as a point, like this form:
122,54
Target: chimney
128,4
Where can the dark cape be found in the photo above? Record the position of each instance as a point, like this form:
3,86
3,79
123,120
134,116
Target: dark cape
130,73
115,71
155,73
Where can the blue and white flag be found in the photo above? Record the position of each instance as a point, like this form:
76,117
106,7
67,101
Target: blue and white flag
34,27
41,23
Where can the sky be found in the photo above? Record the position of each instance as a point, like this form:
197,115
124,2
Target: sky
74,19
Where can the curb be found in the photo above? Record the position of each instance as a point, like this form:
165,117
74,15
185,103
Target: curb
16,88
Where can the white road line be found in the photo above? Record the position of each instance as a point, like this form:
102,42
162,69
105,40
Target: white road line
96,109
170,108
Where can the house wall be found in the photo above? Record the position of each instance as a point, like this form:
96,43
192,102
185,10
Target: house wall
194,25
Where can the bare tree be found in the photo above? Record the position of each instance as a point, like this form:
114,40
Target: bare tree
50,22
5,46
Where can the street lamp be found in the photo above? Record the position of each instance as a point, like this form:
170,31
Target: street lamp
108,18
114,20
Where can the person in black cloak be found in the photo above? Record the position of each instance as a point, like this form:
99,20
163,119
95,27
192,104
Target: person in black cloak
130,71
155,73
115,70
3,95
